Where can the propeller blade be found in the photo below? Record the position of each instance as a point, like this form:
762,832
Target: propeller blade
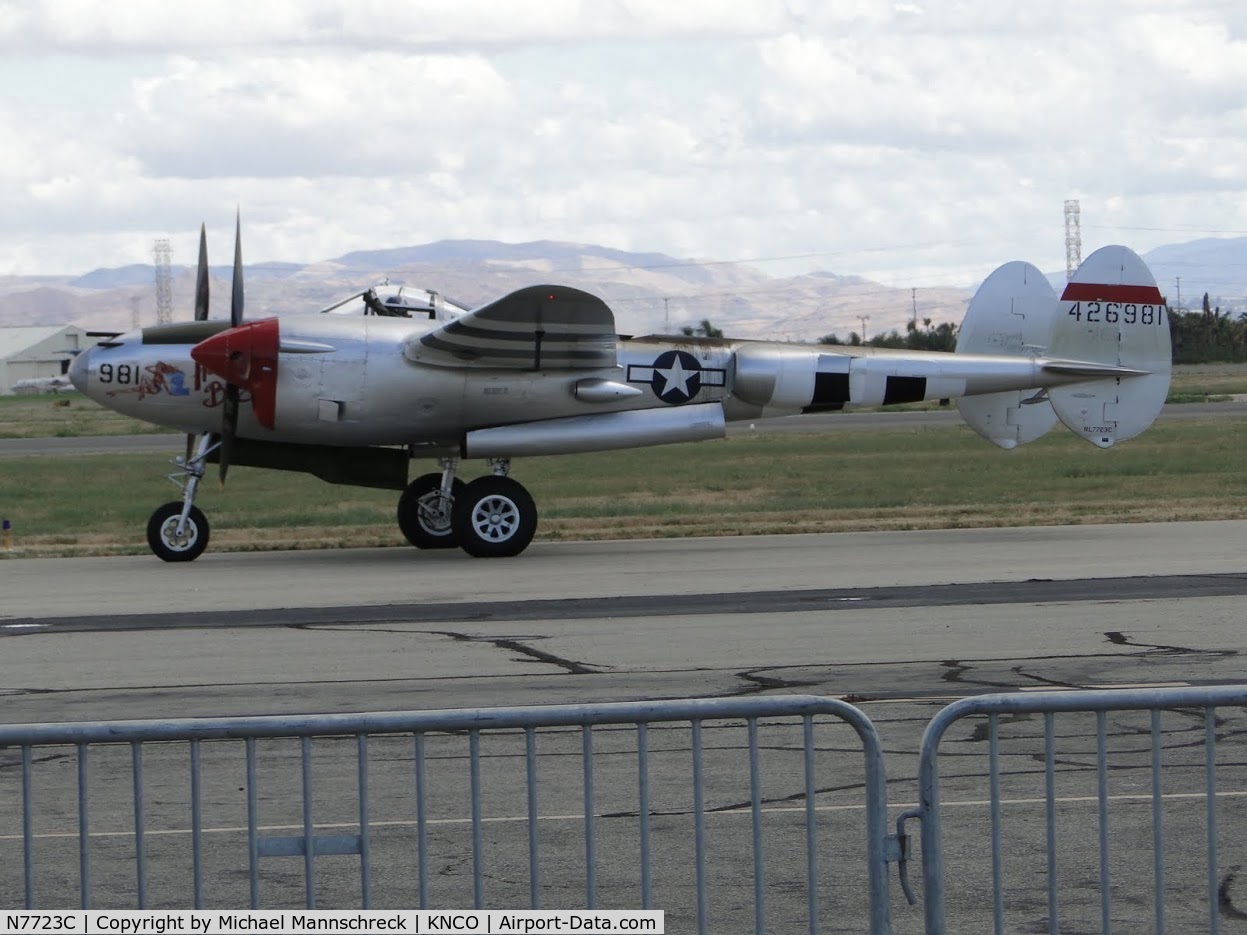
229,426
201,278
235,307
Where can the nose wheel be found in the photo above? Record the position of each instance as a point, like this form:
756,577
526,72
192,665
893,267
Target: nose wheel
175,539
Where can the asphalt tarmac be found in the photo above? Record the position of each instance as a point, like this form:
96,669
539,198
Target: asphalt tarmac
900,624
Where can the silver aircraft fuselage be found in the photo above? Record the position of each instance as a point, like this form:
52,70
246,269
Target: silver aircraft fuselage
350,381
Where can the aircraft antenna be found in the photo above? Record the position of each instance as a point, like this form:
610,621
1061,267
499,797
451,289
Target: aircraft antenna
1073,238
161,253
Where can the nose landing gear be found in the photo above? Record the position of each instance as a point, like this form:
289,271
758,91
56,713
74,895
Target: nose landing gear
178,530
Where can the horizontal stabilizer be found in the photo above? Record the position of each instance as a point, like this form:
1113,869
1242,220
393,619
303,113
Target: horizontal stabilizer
535,328
1081,368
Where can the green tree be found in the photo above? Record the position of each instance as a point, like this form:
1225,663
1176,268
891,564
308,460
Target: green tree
704,330
941,337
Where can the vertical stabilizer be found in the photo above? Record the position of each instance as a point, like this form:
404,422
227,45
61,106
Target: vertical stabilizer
1111,312
1011,314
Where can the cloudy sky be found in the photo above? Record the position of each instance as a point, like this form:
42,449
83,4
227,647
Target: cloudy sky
920,142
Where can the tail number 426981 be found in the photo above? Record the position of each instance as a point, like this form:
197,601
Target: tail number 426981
1111,313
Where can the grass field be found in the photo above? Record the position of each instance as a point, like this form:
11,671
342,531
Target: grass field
933,477
900,478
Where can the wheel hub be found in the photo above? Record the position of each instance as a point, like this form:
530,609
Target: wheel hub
435,513
172,538
496,518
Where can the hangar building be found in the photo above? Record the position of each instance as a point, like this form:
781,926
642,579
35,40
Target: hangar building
37,353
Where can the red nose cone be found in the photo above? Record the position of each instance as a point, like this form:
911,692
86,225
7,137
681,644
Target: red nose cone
227,354
246,356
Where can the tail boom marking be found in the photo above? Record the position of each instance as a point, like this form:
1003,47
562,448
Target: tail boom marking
1105,292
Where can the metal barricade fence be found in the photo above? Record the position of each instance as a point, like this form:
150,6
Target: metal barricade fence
620,796
1153,732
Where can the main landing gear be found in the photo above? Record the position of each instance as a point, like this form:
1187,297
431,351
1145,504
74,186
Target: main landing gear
490,517
178,530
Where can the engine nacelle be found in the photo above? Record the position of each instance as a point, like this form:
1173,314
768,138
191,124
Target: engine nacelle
632,428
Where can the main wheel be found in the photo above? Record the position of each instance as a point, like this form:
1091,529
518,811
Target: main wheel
163,537
424,517
494,517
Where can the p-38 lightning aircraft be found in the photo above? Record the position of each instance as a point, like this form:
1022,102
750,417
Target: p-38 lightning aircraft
542,371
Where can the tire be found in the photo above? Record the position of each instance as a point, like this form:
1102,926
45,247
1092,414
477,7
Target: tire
167,544
418,517
494,517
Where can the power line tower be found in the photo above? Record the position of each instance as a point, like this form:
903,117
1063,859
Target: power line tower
161,253
1073,238
136,313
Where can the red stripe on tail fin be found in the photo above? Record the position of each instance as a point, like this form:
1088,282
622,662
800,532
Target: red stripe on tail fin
1104,292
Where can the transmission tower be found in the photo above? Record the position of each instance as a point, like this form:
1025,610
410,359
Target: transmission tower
135,312
164,282
1073,238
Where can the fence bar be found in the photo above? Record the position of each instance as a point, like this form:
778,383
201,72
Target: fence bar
253,844
811,845
84,837
1098,701
591,863
309,829
699,830
140,852
642,768
365,841
534,832
1101,773
993,768
197,868
1049,772
474,769
755,803
28,830
1158,829
1210,778
459,721
422,824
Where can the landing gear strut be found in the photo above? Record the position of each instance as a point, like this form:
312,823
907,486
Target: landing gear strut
178,530
490,517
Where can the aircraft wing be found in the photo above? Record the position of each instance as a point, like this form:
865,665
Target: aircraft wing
534,328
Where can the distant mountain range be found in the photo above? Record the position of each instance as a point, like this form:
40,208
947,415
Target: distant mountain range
649,292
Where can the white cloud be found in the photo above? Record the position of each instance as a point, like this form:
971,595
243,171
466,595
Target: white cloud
369,114
905,139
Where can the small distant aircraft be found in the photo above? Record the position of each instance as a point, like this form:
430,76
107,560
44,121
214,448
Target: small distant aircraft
42,385
541,371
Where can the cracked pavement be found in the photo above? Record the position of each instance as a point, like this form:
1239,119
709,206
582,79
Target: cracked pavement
899,649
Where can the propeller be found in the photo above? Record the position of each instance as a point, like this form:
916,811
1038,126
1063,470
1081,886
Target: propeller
245,357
